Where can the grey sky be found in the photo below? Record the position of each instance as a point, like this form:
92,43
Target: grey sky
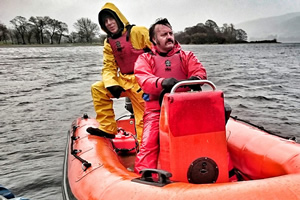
181,14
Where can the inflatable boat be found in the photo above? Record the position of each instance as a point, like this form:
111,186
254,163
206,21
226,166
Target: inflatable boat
204,154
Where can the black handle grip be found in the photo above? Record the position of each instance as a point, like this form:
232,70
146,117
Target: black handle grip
156,177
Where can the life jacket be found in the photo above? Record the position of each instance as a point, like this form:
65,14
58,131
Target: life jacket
168,67
125,54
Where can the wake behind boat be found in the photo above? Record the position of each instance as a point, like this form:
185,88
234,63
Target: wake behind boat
195,142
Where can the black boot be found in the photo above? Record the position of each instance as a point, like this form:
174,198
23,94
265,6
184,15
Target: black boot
98,132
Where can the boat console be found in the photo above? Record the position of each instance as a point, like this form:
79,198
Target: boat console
193,143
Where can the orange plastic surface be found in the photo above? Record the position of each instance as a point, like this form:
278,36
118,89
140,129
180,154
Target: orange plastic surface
108,179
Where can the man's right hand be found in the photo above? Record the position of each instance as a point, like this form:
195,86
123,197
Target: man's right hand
116,90
168,83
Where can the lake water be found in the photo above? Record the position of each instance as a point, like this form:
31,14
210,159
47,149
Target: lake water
43,89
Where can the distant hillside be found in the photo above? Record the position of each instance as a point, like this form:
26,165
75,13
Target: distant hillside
285,28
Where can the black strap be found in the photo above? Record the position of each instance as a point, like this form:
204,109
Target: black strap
128,28
147,50
235,172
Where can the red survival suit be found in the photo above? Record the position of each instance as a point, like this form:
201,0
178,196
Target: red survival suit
150,70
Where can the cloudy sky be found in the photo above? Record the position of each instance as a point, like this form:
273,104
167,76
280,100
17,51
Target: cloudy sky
181,13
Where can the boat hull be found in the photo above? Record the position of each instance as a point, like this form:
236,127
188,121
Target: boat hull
271,164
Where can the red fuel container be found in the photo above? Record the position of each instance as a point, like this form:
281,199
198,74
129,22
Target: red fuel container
125,142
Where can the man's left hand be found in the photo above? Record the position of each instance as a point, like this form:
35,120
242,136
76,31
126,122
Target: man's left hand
194,87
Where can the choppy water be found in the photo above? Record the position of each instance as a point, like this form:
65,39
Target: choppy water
43,89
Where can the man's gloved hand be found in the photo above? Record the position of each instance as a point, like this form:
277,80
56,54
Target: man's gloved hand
194,87
168,83
116,90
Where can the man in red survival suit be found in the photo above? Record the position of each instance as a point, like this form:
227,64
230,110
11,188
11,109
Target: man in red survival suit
158,70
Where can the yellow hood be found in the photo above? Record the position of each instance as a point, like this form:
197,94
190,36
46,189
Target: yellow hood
110,8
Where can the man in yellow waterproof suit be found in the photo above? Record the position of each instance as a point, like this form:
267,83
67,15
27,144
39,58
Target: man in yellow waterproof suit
124,43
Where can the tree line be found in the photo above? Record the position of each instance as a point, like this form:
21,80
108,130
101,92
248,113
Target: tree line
211,33
46,30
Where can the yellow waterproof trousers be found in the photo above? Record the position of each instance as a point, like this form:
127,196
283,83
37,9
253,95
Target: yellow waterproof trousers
103,104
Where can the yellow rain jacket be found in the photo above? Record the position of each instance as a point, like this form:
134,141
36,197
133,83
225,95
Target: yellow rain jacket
139,38
111,76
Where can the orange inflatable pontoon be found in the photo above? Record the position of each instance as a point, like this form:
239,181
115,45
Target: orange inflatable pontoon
198,152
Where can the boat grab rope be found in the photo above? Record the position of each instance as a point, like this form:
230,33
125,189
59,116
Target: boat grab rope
74,152
293,138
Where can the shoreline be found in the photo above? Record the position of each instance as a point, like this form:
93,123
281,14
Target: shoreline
98,44
50,45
